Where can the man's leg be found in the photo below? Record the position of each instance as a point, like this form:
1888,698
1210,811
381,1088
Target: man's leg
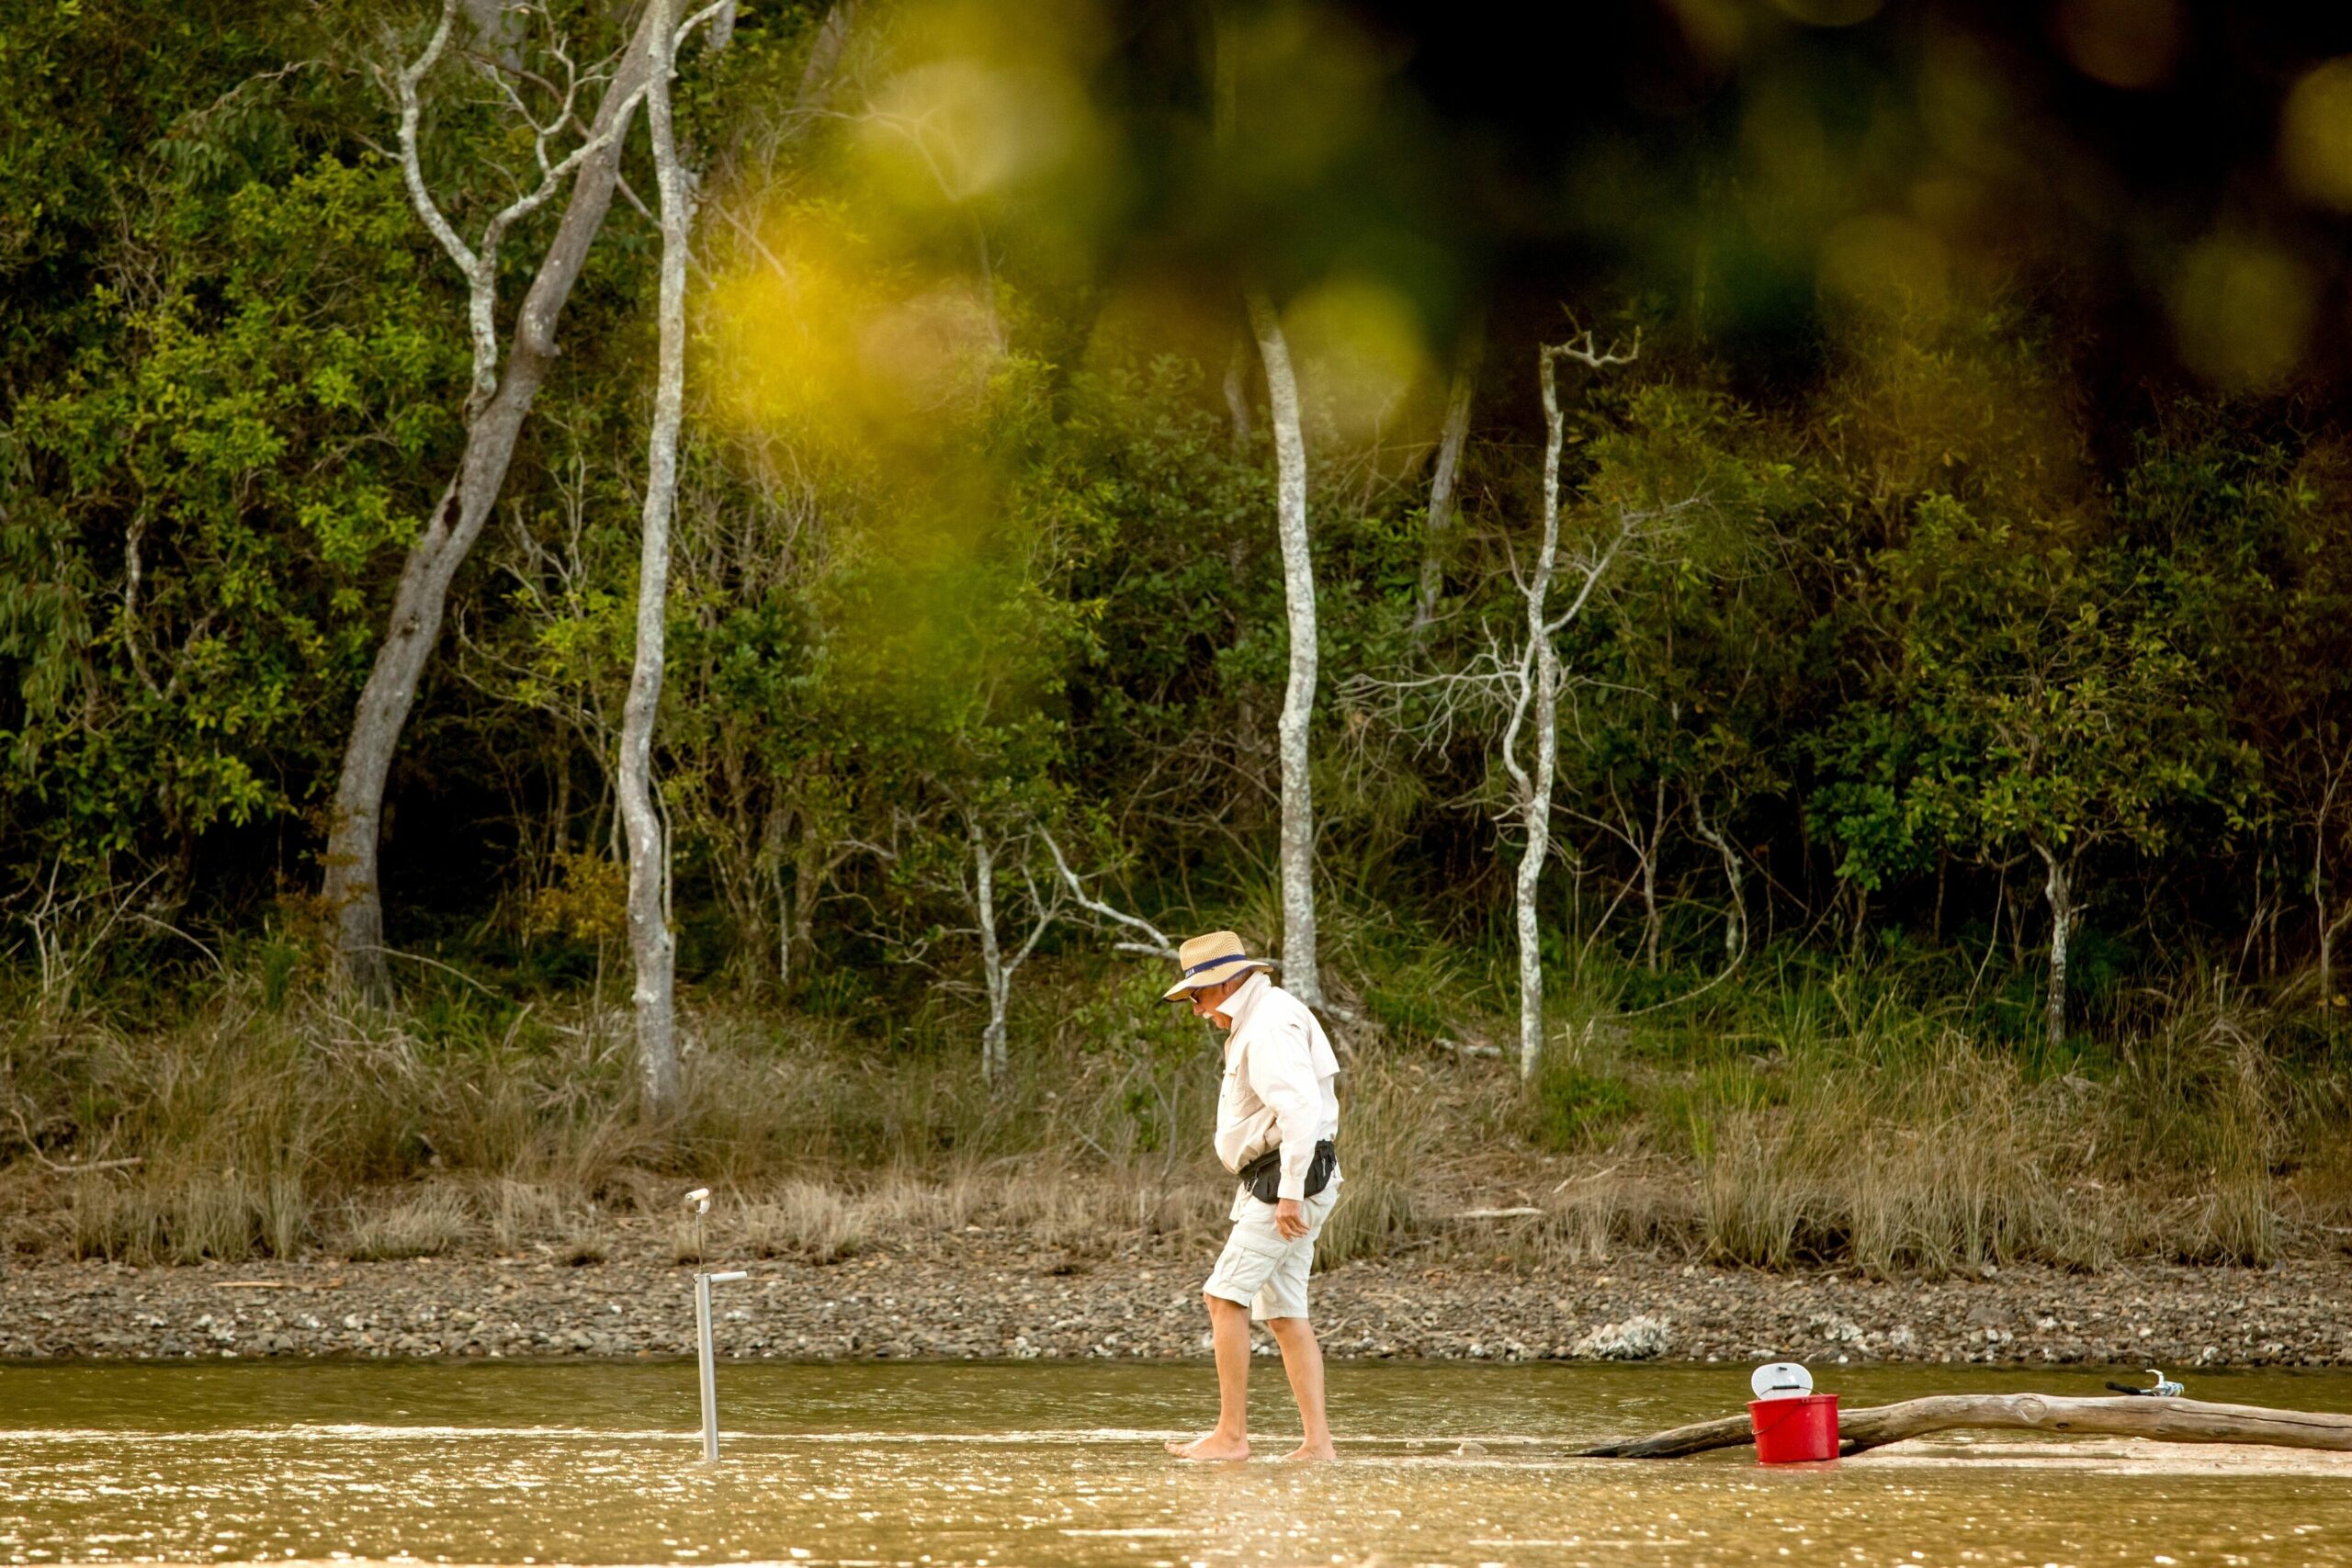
1230,1327
1303,1359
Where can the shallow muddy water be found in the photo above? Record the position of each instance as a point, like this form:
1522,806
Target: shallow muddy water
1031,1464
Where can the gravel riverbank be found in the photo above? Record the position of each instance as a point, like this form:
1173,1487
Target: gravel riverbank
983,1302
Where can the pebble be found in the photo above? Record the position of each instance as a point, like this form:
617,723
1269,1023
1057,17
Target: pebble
982,1301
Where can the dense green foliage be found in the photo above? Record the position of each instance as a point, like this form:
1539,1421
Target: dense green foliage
977,547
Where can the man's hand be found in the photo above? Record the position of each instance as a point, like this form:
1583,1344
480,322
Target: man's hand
1290,1219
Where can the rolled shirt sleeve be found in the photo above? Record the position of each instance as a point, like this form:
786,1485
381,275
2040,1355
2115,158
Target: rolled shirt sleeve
1282,1073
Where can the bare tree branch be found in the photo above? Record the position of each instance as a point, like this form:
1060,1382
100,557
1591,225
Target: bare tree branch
412,170
1159,945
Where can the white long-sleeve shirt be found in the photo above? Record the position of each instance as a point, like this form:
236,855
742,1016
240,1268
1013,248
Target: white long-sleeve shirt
1279,1072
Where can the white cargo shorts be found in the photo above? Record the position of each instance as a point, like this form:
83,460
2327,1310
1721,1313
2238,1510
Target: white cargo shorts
1261,1271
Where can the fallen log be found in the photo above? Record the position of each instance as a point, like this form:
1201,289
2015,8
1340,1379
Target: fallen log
2164,1420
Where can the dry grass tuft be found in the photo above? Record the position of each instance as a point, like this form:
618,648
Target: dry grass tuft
1385,1136
807,1220
521,1212
423,1223
1954,1163
187,1218
1630,1204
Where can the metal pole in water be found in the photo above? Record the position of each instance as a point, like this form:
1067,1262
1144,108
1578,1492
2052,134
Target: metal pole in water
709,1361
710,1370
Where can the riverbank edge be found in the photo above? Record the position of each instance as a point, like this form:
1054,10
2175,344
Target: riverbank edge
983,1302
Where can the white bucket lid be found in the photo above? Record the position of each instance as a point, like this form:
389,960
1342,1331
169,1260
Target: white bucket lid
1781,1379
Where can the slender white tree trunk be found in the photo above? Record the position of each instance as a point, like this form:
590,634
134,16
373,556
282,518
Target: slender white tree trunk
1535,687
1444,478
2059,889
1736,917
1300,974
993,975
1538,700
652,950
997,966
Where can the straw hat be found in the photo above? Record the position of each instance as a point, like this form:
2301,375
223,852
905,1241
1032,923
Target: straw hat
1212,960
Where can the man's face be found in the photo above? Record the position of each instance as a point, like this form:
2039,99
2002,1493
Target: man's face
1208,1000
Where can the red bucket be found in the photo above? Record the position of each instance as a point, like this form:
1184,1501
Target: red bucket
1802,1430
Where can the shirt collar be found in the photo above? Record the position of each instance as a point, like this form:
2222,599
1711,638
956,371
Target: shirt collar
1238,1006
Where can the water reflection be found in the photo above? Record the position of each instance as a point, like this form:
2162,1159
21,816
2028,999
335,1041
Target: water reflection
1054,1465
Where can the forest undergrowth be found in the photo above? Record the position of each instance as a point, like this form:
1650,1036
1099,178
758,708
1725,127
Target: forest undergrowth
1803,1112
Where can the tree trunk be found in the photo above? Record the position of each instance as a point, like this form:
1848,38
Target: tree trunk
559,828
813,863
1536,693
1300,975
2329,925
2059,889
998,967
2250,950
1652,921
653,951
817,76
992,970
493,425
2164,1420
1535,825
771,861
2335,775
1936,922
1539,691
1436,537
1736,917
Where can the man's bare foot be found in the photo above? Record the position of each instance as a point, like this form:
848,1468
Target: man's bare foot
1215,1446
1310,1453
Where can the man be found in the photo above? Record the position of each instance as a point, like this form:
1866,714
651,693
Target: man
1276,1109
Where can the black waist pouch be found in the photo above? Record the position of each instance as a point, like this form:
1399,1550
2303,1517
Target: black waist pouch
1263,1176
